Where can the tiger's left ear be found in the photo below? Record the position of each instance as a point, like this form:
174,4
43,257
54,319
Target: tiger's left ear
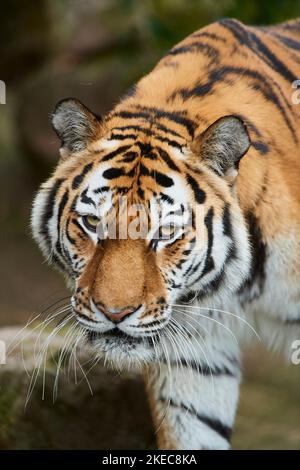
75,125
223,144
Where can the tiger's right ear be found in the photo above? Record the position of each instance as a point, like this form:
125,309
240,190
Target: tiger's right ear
75,125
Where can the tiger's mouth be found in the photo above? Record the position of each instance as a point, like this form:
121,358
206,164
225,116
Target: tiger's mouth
114,333
121,349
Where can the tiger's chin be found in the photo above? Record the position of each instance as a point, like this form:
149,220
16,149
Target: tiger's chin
121,351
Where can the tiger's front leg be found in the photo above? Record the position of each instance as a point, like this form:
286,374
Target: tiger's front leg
194,406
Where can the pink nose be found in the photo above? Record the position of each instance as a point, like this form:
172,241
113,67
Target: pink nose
116,314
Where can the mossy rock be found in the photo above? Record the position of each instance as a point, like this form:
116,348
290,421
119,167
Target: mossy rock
115,416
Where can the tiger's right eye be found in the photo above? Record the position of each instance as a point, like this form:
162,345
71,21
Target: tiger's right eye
91,222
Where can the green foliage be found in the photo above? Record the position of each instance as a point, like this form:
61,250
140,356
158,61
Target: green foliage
164,22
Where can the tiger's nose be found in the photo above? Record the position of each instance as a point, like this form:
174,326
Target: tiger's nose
117,314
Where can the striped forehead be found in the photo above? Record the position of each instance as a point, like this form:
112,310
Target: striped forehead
95,195
101,184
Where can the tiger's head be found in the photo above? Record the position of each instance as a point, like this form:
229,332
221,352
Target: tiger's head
141,214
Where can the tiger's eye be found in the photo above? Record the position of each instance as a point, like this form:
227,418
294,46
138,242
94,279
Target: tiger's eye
91,221
167,231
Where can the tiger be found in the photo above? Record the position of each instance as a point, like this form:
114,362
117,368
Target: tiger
214,127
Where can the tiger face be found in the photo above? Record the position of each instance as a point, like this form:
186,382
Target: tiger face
139,217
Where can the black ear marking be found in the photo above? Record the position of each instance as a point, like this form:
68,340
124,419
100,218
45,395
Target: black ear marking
224,143
74,124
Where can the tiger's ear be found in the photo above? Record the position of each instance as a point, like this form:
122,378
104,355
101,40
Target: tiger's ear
223,144
75,125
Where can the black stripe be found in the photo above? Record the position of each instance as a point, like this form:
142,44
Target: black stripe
48,210
209,262
141,192
129,157
179,119
199,194
168,141
122,136
112,173
55,260
167,199
119,150
194,269
204,369
273,60
160,178
248,38
215,424
167,130
209,51
103,189
145,148
227,225
212,286
132,115
289,42
79,178
151,113
260,147
149,132
239,31
73,204
261,84
122,189
205,34
79,226
134,128
218,279
150,156
167,159
85,199
71,239
61,207
199,90
132,172
258,260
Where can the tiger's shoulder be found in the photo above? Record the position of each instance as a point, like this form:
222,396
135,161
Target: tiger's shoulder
229,68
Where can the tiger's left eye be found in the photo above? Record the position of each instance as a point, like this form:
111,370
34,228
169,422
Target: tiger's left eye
167,231
91,222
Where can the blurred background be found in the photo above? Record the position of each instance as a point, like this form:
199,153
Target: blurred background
93,50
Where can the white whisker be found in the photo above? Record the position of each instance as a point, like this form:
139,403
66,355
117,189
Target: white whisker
221,311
